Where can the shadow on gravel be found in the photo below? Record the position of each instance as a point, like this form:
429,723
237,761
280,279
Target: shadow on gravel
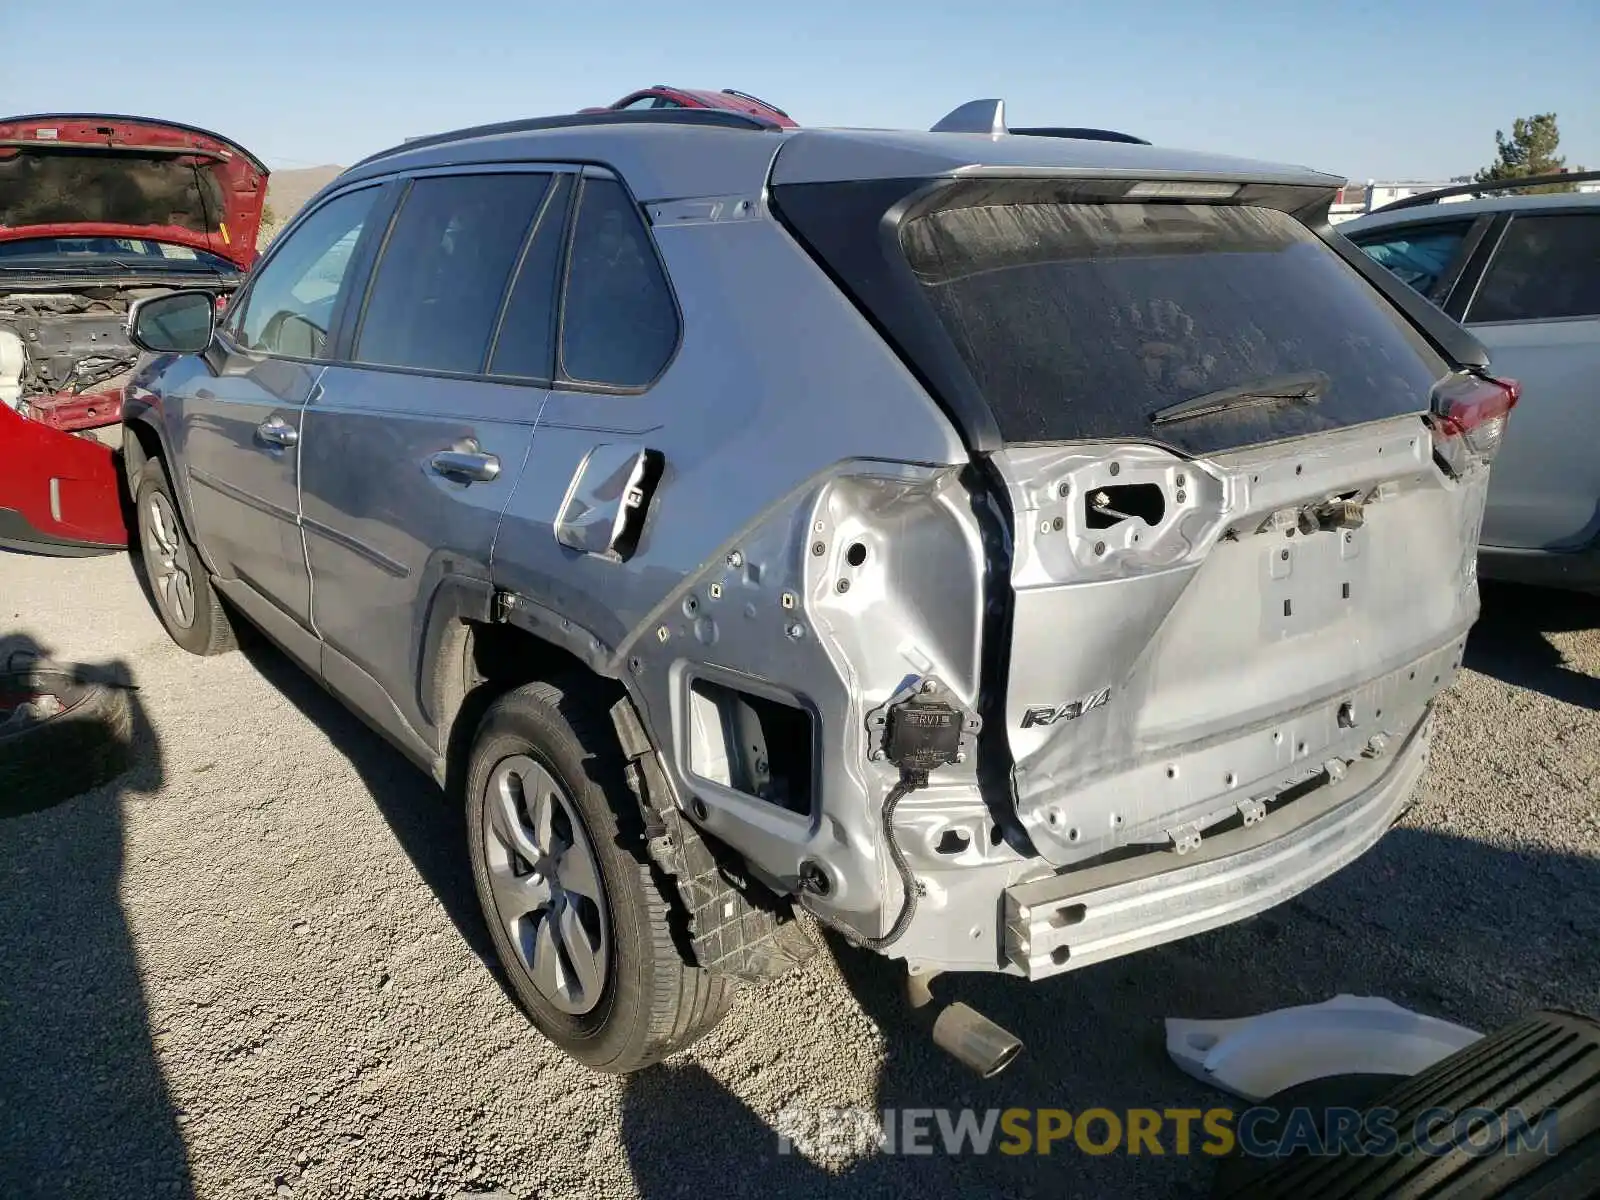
84,1109
432,832
1445,925
1508,642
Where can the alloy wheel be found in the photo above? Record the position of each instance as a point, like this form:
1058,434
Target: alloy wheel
171,568
546,884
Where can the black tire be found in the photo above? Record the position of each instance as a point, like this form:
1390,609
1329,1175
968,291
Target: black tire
48,760
209,629
654,1002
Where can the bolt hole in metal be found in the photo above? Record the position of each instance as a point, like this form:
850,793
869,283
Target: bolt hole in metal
1116,468
1068,915
856,554
814,879
1060,955
953,841
690,606
698,808
1172,772
544,879
1230,779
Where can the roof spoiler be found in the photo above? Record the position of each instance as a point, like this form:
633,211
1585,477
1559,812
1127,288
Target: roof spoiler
1477,189
989,117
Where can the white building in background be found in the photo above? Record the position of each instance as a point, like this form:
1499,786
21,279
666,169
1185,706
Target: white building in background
1357,199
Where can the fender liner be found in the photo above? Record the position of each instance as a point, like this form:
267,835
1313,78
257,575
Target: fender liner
736,925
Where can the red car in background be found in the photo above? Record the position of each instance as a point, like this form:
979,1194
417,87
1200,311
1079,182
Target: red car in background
728,99
95,213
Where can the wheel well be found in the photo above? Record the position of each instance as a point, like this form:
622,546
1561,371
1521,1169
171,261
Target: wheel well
478,662
139,445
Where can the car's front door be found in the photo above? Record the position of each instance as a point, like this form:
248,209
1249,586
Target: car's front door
416,438
1537,310
239,418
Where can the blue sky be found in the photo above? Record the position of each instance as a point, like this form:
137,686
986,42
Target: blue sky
1392,90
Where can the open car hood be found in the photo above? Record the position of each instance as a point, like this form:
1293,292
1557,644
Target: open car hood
76,175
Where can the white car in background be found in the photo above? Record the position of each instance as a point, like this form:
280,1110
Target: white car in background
1522,272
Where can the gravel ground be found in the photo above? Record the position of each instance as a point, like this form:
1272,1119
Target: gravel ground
254,967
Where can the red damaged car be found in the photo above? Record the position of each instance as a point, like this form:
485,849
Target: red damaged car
95,213
662,96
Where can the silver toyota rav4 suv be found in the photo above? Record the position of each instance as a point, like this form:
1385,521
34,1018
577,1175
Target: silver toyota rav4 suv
1012,550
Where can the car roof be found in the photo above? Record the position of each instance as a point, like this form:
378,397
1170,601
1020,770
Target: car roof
1459,209
690,153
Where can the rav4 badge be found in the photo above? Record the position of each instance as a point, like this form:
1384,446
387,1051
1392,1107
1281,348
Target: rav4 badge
1049,714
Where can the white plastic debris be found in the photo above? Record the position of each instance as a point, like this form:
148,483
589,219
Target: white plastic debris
1255,1057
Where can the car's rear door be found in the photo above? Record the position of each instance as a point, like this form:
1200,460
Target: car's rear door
237,410
417,437
1232,554
1537,309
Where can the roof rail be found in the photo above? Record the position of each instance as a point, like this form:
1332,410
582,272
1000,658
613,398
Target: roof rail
756,100
716,118
989,117
1088,135
1499,185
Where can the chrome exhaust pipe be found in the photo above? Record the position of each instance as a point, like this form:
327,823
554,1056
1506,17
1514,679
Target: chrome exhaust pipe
962,1032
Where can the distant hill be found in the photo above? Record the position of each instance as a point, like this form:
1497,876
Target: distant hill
287,192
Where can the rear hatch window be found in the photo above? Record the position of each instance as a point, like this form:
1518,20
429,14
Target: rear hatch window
1083,321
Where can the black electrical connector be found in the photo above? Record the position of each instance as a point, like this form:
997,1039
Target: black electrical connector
921,734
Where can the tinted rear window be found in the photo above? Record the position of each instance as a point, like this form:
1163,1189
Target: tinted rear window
1080,321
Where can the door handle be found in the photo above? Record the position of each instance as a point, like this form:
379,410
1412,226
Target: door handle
275,431
465,463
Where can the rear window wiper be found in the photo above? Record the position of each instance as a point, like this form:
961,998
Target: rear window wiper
1305,388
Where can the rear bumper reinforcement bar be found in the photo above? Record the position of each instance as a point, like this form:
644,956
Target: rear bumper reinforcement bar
1081,917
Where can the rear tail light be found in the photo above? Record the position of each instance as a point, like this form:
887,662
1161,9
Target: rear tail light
1469,419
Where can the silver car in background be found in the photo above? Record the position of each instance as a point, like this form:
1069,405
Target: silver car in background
1522,272
1014,550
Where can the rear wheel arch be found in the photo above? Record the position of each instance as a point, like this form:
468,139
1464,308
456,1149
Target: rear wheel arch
469,658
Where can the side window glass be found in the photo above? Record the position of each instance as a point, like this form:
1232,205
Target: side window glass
525,346
619,324
641,102
290,305
1418,254
1545,267
437,288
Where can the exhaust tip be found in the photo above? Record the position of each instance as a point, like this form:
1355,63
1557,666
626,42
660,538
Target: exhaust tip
975,1041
